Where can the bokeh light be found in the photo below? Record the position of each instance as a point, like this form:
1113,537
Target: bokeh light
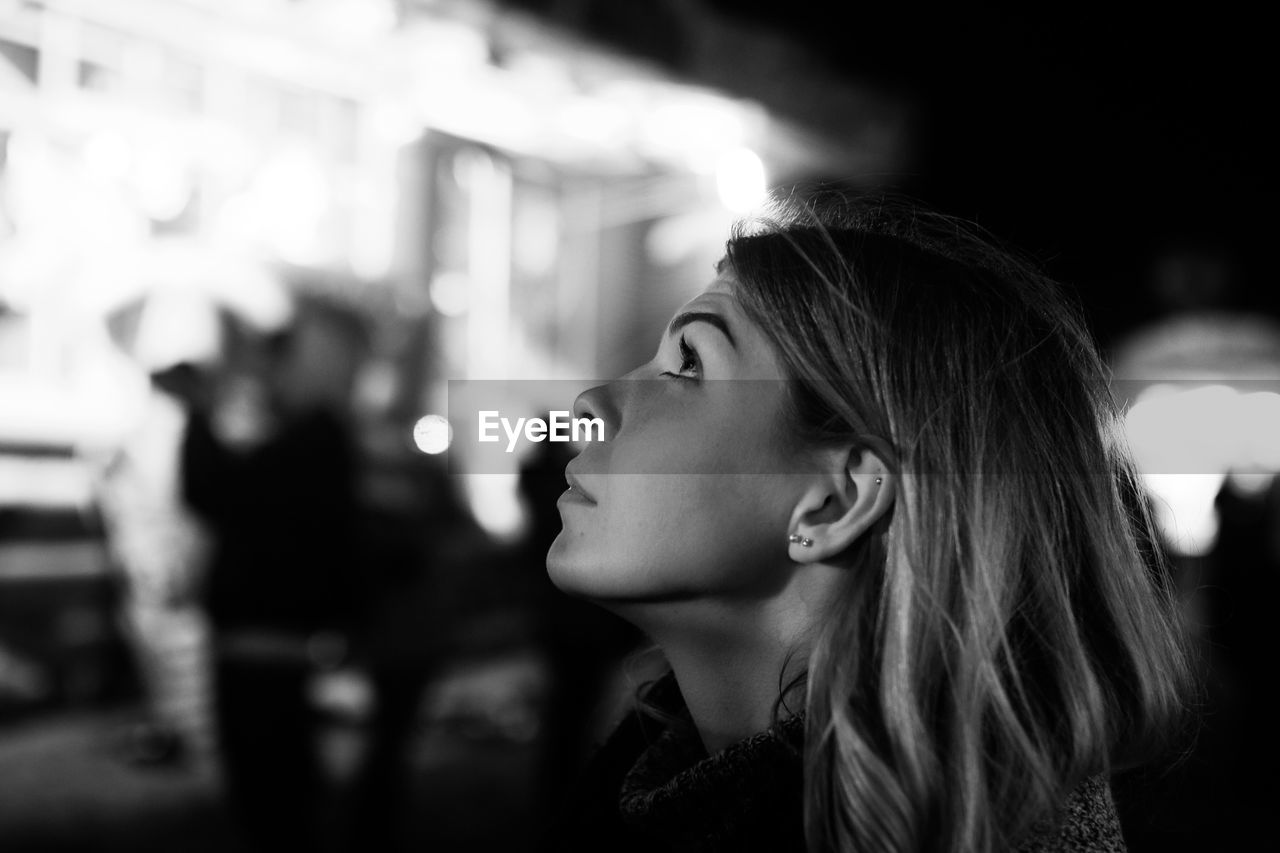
432,434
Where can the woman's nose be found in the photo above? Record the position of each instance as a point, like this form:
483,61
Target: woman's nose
598,402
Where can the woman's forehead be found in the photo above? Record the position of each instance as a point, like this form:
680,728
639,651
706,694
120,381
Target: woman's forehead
720,293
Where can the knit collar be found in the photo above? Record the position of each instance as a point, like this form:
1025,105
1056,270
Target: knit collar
678,793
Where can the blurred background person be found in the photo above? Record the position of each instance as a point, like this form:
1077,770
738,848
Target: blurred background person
1204,415
158,542
269,462
399,642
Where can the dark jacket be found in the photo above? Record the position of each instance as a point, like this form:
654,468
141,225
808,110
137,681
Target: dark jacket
652,787
283,517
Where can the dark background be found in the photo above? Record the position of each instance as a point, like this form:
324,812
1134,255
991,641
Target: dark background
1097,138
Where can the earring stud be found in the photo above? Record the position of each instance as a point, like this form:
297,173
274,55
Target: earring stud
878,481
795,538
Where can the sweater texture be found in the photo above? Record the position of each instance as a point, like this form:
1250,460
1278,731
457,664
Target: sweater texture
652,787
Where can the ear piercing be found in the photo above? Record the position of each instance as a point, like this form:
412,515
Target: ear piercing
804,542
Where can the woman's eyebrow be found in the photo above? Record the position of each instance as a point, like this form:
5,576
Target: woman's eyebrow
682,320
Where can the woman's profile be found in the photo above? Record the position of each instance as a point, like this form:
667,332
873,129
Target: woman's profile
868,501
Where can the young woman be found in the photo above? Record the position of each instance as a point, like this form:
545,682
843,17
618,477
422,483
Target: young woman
868,501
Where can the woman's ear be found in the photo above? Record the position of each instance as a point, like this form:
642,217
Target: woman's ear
853,491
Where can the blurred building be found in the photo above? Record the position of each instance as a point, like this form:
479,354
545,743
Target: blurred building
504,194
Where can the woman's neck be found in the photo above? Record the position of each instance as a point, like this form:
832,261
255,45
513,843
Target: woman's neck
731,675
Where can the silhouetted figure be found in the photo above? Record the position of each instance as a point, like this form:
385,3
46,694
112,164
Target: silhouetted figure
394,647
1216,795
272,471
161,551
1244,584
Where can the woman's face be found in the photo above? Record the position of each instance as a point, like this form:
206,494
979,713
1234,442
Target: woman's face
689,495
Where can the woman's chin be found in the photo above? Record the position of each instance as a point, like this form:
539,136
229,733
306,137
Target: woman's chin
577,577
561,568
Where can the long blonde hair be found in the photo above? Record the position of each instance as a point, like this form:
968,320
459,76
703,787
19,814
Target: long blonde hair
1009,630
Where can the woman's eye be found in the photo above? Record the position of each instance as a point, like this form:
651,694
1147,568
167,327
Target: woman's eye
689,364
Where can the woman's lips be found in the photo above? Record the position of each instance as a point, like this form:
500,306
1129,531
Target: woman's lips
575,490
